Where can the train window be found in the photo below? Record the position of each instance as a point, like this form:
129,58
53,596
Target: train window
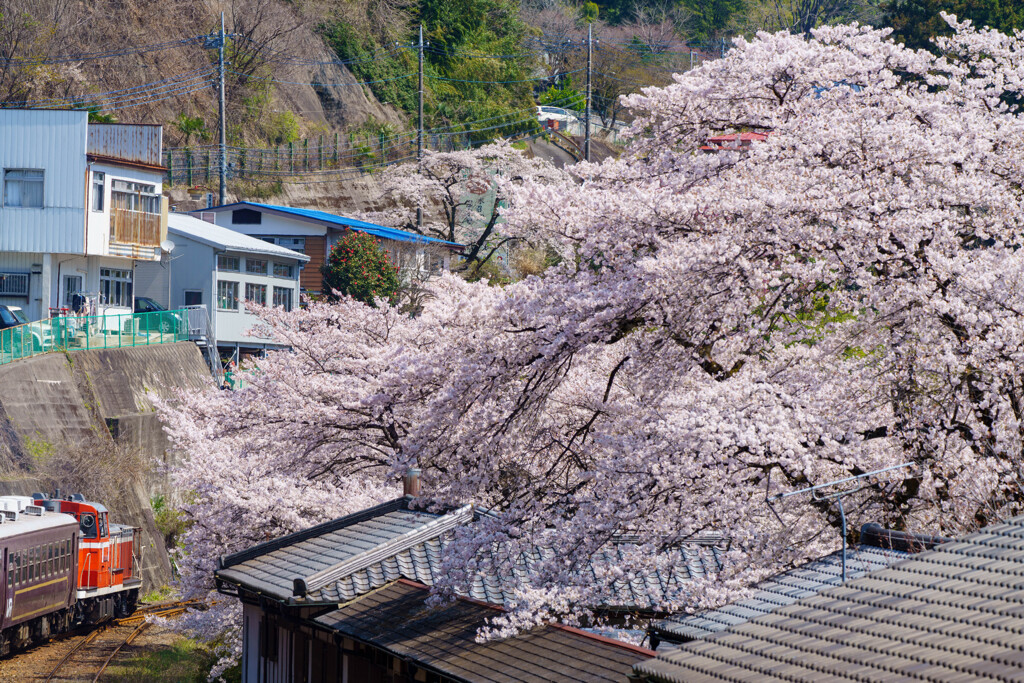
103,525
49,558
88,525
21,567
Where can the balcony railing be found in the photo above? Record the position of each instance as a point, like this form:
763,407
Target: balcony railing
134,227
108,331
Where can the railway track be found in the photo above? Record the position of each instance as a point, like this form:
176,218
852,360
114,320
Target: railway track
95,650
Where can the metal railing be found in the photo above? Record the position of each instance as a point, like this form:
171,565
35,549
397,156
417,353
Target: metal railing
82,333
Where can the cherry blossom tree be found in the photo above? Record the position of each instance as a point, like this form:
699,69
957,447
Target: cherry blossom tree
846,295
462,195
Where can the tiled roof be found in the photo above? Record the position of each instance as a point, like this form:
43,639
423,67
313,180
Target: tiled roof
343,222
782,589
443,640
955,613
340,559
347,557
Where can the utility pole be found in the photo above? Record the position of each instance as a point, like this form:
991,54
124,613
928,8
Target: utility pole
223,125
586,114
419,126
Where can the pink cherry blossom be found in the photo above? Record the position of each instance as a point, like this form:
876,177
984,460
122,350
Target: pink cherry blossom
846,295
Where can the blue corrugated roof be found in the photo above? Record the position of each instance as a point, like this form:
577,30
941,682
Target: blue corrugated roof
362,226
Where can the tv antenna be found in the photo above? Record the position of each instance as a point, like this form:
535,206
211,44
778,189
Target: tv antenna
836,496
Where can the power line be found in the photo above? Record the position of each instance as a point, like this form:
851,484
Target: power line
325,85
89,56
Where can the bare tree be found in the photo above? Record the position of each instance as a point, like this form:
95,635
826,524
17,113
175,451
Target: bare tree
657,25
800,16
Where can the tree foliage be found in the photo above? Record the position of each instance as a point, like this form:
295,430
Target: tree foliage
846,295
917,22
357,267
463,196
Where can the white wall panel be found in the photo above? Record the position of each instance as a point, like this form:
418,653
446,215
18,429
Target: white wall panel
54,141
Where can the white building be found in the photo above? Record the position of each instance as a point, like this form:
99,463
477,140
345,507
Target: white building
81,204
314,233
221,269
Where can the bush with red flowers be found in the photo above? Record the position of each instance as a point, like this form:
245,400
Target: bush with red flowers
359,268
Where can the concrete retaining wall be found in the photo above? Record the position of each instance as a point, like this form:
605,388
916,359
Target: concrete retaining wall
90,398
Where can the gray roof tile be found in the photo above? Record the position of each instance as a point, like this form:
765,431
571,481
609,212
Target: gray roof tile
443,639
784,589
955,613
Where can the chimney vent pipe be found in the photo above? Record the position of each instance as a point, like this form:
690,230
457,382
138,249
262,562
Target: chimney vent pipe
411,482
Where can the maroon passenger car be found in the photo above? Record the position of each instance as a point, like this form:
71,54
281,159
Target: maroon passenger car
39,567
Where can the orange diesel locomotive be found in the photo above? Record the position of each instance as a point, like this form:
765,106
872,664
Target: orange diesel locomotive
64,564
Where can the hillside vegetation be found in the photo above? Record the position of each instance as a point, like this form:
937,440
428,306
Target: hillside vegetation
316,68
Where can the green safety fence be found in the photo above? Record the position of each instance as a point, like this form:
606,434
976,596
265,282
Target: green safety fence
82,333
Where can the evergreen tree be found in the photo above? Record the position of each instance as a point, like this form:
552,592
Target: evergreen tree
916,22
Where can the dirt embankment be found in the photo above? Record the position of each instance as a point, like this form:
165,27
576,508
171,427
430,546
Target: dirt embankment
86,421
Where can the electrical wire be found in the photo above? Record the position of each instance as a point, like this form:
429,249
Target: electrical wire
523,80
89,56
173,95
326,85
124,92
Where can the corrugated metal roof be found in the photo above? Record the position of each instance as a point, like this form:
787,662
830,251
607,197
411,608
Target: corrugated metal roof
222,238
955,613
396,619
381,231
137,144
782,589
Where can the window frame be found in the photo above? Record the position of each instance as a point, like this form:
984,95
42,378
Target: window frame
225,258
126,279
101,187
290,269
250,262
256,286
235,296
41,181
291,295
139,197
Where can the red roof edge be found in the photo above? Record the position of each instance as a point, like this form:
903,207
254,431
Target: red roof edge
114,161
571,629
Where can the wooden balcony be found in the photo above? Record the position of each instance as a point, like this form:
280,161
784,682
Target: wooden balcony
135,227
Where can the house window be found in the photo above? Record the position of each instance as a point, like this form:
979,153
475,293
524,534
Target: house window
227,263
227,296
99,182
246,217
23,188
283,298
294,243
193,297
256,266
14,284
116,287
72,286
282,270
256,294
131,196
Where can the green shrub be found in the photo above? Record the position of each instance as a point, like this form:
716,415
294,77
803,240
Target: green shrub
358,267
